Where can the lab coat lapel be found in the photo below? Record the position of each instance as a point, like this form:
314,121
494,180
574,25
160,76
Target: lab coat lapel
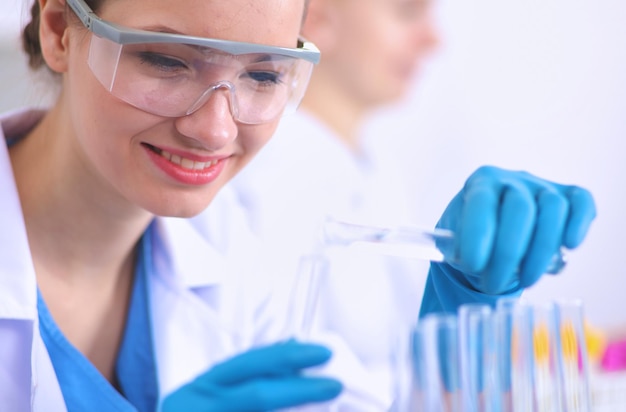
27,378
18,298
189,336
46,393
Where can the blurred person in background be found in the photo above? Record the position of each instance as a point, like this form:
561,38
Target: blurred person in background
319,166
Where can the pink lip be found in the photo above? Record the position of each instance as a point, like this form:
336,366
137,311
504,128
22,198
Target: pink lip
188,176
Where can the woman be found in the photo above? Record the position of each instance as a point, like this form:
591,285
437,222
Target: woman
100,310
102,305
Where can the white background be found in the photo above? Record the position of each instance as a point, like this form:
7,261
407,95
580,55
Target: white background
536,85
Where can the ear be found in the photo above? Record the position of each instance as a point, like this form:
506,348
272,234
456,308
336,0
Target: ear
53,34
320,24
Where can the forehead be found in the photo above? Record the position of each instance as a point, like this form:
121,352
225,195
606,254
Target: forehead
272,22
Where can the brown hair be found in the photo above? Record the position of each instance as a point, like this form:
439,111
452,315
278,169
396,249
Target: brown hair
31,43
30,39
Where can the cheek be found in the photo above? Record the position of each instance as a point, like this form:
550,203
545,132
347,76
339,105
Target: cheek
96,112
105,128
103,123
369,49
391,39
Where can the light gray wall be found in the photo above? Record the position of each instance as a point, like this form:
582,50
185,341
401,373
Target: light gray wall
15,82
21,87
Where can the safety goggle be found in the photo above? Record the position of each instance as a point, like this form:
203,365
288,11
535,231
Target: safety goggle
173,75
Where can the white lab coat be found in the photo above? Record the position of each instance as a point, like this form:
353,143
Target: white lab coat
304,174
205,304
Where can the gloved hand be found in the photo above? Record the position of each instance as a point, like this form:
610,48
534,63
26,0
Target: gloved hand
508,227
260,379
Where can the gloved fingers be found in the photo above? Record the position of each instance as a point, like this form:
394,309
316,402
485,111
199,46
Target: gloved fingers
516,221
283,392
499,239
477,226
258,395
582,211
283,358
552,214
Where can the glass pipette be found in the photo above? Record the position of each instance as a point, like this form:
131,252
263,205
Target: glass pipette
407,241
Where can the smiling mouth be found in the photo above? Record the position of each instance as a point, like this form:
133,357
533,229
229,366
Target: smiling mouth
182,161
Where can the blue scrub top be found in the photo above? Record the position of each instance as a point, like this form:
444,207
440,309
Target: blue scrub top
82,385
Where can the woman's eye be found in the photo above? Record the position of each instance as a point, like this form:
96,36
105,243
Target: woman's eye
161,61
264,77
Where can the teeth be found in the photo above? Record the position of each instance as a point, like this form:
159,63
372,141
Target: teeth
187,163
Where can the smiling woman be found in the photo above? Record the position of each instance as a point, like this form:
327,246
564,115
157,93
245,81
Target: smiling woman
119,145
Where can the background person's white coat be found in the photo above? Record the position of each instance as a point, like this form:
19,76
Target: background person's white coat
534,85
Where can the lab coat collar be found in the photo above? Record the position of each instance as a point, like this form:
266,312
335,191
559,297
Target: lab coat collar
23,357
191,257
17,123
193,327
18,298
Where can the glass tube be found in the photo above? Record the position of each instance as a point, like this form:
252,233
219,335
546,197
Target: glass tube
547,386
514,354
572,356
305,295
407,241
436,365
478,365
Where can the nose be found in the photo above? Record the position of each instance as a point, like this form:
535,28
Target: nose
431,35
425,33
211,120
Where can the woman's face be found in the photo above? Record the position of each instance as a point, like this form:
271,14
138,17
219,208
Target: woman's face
145,159
378,46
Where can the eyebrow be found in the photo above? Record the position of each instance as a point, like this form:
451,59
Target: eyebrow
162,29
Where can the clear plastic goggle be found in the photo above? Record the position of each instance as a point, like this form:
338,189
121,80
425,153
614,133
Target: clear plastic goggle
174,75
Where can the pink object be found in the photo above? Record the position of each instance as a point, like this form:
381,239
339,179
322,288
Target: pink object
614,358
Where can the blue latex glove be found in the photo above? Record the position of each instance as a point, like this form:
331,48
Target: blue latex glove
261,379
508,227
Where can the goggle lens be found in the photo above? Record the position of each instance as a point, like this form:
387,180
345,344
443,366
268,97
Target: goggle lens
175,79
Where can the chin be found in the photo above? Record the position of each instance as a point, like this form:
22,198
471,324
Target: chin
181,207
389,92
390,96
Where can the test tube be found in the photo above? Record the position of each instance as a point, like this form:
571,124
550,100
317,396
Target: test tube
407,241
547,386
572,355
514,354
477,345
303,305
305,295
436,365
